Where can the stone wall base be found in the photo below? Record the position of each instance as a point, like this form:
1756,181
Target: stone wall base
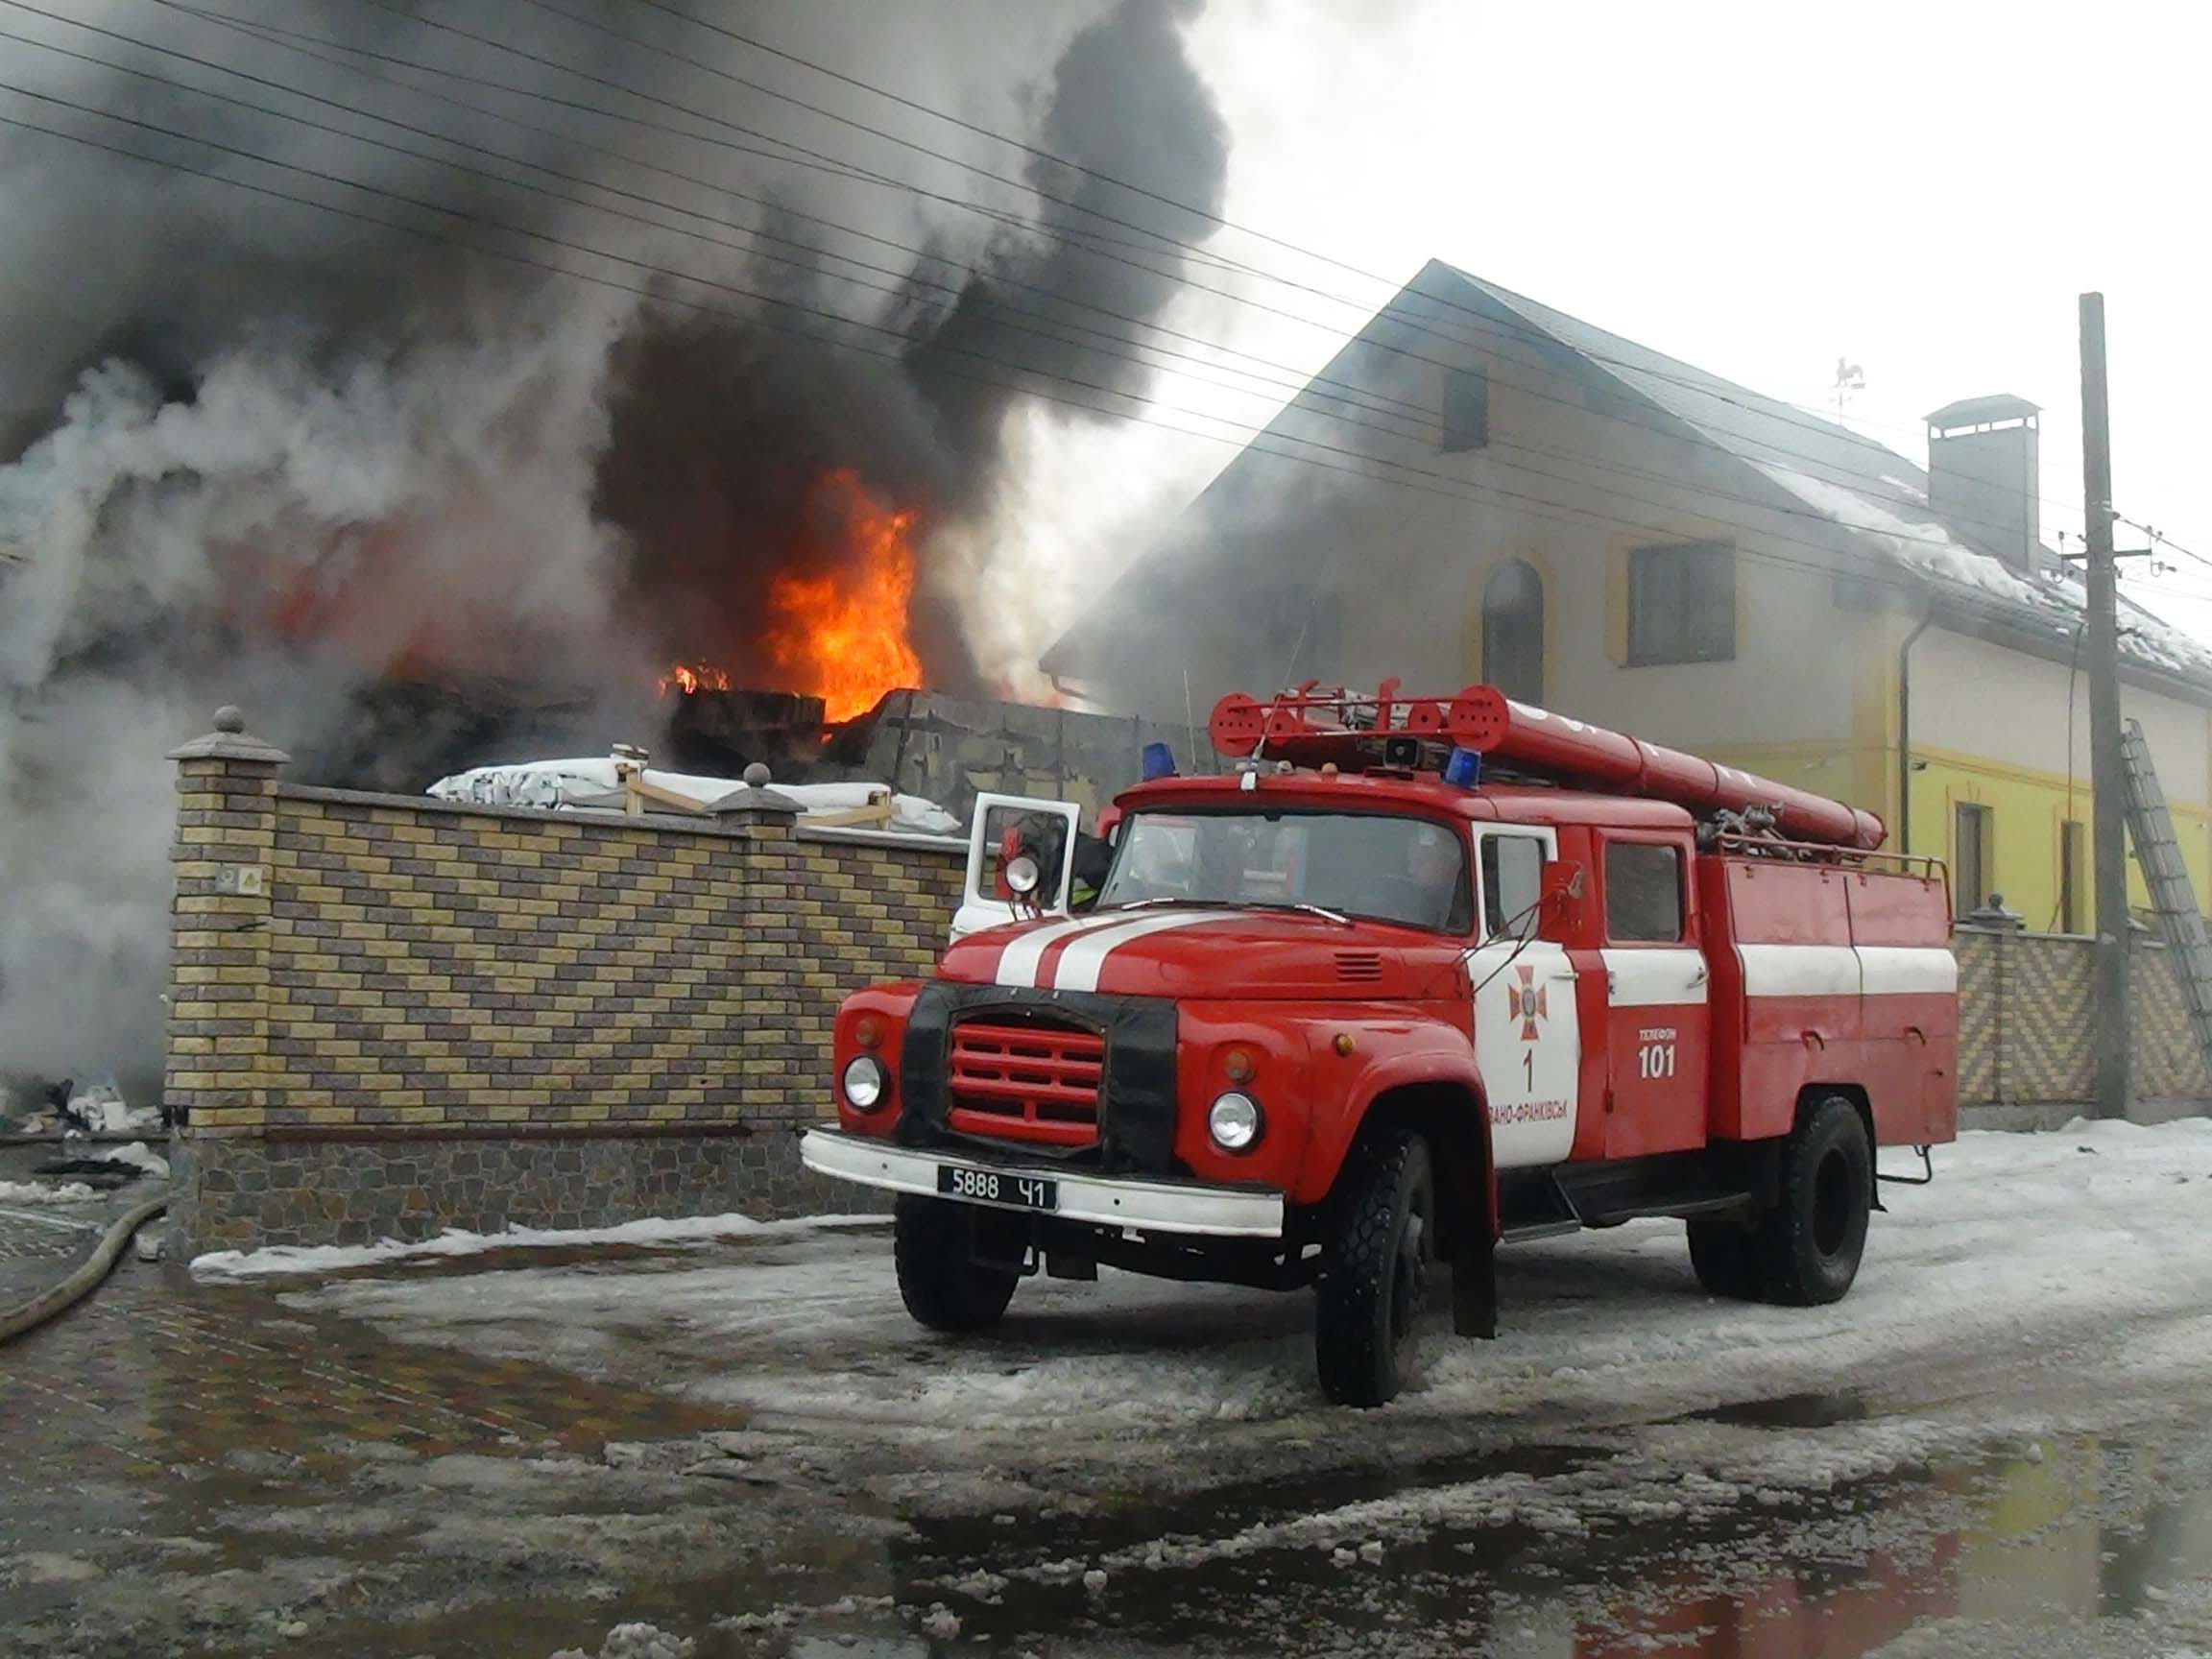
243,1193
2046,1114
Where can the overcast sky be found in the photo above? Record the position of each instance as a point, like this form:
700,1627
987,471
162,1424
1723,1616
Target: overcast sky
1925,189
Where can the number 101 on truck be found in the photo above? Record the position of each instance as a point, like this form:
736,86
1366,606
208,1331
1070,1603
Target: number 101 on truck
1416,977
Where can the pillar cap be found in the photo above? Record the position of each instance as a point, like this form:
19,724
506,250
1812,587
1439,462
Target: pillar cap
230,741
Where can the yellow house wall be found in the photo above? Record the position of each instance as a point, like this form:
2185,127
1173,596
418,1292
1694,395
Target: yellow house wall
1990,726
2025,809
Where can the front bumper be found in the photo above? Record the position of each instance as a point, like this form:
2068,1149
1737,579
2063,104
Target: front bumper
1112,1200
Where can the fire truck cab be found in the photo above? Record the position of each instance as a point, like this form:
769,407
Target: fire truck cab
1418,976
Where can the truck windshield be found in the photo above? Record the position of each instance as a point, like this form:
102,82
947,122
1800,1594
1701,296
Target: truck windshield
1406,870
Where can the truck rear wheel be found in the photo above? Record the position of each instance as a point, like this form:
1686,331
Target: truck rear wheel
1810,1242
1724,1254
943,1285
1375,1277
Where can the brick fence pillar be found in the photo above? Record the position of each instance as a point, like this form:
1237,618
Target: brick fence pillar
216,1078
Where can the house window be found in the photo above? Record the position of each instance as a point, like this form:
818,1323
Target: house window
1643,893
2073,877
1970,856
1513,630
1681,604
1466,410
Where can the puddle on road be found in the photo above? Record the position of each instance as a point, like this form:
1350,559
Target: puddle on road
2078,1530
1789,1411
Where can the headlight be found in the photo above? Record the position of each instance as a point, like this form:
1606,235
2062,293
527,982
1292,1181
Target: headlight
1234,1122
866,1082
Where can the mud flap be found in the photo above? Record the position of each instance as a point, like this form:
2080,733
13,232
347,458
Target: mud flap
1474,1285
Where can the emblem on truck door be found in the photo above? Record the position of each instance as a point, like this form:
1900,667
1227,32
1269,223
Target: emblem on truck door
1529,1003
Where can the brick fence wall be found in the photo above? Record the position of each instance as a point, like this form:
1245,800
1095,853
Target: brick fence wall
390,1015
2024,1027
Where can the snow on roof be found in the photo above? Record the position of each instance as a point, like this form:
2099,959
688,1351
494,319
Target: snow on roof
1927,548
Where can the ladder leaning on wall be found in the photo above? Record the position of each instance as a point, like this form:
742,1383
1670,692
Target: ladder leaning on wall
2150,826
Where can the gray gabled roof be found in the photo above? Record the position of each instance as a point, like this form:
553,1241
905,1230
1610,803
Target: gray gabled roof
1809,465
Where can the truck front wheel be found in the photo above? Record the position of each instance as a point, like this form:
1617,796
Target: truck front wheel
1810,1242
1374,1279
932,1243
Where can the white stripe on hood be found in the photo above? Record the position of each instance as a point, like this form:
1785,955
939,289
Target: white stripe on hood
1083,961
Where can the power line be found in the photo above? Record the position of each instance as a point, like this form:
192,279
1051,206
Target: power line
1424,420
842,319
849,169
1826,569
1476,317
1253,439
1799,459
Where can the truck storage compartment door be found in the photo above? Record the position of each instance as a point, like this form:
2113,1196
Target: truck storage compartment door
1657,988
1799,1014
1901,933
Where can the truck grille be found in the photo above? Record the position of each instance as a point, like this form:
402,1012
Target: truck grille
1026,1080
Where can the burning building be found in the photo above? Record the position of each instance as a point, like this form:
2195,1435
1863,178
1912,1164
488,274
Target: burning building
453,386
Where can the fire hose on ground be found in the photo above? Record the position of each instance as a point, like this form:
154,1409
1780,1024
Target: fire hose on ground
59,1298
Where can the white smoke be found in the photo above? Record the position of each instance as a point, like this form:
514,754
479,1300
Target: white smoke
443,488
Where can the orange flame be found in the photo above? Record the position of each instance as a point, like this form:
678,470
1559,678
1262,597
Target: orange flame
693,678
842,636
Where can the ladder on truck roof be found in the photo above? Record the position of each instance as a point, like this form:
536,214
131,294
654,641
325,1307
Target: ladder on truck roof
2152,829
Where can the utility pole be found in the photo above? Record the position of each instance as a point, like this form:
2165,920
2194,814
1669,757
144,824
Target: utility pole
2112,1025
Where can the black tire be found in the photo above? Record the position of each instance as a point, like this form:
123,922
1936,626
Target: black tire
1374,1279
1808,1245
1724,1253
940,1284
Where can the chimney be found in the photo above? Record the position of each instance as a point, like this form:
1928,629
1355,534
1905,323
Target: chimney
1984,476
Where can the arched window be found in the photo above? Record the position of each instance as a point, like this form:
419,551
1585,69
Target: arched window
1513,630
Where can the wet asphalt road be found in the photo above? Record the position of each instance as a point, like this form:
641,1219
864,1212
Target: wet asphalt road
192,1468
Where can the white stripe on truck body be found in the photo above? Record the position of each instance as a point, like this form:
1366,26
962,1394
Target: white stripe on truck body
1847,971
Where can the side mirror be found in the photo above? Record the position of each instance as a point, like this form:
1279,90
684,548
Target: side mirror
1562,889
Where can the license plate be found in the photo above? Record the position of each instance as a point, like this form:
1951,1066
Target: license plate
992,1187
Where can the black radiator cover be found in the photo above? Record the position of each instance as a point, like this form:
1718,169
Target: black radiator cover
1136,1107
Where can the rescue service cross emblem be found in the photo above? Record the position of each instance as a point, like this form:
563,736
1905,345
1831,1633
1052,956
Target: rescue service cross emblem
1530,1005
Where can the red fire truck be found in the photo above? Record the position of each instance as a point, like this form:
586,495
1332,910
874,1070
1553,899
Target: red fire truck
1416,977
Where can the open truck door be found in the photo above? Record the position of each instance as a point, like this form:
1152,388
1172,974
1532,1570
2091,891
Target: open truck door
1007,827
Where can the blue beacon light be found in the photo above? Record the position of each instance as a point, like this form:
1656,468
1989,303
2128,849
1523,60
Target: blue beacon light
1464,770
1159,761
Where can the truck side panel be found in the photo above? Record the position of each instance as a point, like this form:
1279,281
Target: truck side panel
1901,927
1786,982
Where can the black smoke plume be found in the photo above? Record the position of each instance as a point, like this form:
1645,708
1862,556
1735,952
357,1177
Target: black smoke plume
529,385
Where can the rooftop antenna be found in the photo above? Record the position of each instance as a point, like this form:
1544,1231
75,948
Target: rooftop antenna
1849,377
1190,720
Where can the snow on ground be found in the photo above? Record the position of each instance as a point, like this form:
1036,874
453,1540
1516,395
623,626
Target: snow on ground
280,1259
139,1156
45,1193
2054,1273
